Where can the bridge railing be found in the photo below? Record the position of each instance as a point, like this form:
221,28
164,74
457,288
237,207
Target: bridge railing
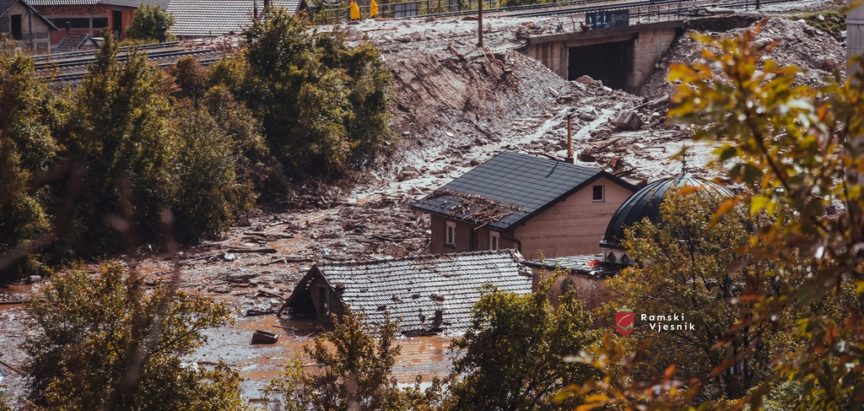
641,10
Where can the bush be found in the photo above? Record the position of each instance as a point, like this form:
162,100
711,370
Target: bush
323,105
354,371
149,22
27,147
209,196
513,356
87,331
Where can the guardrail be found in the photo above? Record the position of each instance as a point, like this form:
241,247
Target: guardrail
408,9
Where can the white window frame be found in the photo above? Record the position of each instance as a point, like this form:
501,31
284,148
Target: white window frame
450,233
602,193
494,240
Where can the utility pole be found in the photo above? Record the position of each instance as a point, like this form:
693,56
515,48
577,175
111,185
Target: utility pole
480,23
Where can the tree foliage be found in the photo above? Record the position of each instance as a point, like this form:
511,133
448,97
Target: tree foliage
800,148
84,327
150,23
212,197
27,147
323,105
687,264
353,371
514,355
797,151
120,133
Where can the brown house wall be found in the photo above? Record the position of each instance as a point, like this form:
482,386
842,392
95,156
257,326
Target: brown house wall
84,11
464,232
573,226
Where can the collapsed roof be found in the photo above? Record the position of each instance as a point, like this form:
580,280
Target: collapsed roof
426,294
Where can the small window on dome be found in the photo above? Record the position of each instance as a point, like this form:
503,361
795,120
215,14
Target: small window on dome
610,257
597,194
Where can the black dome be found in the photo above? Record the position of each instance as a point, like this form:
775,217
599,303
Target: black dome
646,203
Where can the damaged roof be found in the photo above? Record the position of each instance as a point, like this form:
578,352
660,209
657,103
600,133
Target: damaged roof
587,264
412,289
509,189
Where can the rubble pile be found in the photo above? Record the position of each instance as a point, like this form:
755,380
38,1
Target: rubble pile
817,53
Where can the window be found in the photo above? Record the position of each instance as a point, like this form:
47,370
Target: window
597,194
16,31
323,301
450,234
494,236
72,22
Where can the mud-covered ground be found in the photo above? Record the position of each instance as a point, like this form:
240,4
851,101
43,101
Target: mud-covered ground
455,106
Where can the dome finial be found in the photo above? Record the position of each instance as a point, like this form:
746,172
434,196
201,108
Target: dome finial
684,149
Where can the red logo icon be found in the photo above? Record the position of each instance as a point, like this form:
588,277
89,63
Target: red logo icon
624,321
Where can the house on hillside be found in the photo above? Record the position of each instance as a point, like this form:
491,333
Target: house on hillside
427,294
25,26
213,18
539,206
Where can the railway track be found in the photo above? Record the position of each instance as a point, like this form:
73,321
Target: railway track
73,70
78,54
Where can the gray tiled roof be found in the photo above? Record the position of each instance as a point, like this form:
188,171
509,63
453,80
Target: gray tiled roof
508,189
412,289
203,18
122,3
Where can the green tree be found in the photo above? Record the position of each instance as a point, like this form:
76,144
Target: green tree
83,330
151,23
190,78
687,265
210,196
256,167
514,355
323,105
353,371
120,134
800,148
27,147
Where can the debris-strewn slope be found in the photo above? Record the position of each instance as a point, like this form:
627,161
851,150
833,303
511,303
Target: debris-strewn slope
817,53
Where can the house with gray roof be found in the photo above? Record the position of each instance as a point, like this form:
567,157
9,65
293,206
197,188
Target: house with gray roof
213,18
537,205
427,294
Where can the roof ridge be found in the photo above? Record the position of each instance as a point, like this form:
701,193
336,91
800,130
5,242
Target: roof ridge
551,160
512,252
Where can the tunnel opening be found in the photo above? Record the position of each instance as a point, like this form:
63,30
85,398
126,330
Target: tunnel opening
610,63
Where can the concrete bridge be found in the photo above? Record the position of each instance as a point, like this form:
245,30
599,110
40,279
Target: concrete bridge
622,57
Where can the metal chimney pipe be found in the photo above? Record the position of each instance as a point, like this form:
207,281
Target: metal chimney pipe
570,158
